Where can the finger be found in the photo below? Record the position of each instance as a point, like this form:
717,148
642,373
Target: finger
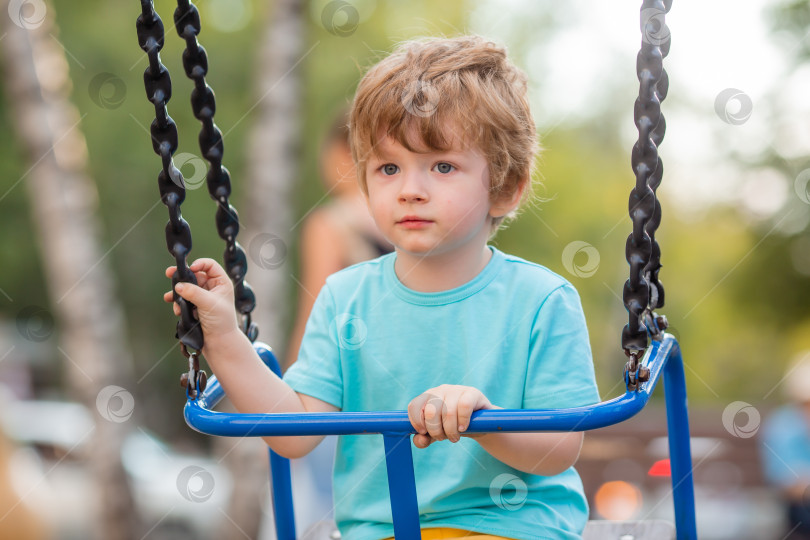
202,278
434,410
450,421
415,414
176,309
208,266
196,295
422,441
168,297
170,271
467,403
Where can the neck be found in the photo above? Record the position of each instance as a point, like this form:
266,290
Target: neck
442,272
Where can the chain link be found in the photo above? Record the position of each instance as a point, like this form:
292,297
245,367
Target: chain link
203,104
643,292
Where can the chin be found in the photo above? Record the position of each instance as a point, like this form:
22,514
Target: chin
416,251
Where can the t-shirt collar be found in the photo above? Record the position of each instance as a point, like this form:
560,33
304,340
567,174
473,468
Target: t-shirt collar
449,296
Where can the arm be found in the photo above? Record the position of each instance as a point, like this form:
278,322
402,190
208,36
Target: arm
321,256
249,384
444,413
546,454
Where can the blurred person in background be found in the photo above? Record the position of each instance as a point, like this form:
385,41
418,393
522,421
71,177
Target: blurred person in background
785,449
334,236
338,234
17,520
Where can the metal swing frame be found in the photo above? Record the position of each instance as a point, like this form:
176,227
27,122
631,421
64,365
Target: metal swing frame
663,359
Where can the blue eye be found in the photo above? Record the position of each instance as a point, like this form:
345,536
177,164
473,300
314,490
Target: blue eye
389,169
444,168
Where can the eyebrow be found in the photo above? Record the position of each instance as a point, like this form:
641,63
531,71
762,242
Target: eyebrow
381,155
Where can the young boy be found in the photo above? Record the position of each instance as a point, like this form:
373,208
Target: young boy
444,145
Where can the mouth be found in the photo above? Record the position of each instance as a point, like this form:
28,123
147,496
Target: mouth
411,222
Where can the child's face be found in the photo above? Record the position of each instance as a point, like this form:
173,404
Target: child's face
431,203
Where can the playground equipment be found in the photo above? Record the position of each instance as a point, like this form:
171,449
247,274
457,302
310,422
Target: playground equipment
642,294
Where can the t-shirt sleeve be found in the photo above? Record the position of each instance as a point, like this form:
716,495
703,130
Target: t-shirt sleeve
317,371
560,372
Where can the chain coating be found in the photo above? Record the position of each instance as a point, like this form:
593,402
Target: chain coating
195,63
643,292
170,181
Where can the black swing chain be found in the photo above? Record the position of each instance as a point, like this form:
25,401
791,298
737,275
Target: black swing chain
218,180
171,183
643,292
170,180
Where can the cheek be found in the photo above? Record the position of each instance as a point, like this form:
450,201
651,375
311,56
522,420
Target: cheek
378,214
376,208
470,208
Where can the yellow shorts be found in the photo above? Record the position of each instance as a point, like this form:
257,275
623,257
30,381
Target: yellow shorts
444,533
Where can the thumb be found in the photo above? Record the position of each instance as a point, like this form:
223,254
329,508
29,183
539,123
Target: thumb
194,294
422,441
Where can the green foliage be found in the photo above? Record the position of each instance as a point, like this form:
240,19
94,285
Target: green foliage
794,17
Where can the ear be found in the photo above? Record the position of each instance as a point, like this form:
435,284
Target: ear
504,205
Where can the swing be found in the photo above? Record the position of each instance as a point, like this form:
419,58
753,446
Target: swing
648,361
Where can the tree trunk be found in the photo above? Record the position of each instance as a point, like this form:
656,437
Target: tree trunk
272,167
63,204
268,215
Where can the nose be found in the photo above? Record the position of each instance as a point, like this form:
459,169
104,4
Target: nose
413,188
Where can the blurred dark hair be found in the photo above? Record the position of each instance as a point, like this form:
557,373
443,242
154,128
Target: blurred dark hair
338,130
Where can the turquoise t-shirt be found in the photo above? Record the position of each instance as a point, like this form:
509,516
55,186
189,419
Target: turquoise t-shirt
516,332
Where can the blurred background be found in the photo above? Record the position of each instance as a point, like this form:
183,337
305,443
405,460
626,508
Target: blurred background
94,441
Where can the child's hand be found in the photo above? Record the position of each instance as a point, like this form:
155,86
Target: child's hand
444,413
213,297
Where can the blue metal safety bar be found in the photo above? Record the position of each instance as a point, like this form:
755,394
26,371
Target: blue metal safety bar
662,358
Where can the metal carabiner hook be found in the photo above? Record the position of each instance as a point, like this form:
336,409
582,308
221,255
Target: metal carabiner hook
190,380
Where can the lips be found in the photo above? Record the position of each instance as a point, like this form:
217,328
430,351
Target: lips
411,218
413,222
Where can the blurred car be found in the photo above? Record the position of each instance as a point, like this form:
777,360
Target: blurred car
625,471
179,496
